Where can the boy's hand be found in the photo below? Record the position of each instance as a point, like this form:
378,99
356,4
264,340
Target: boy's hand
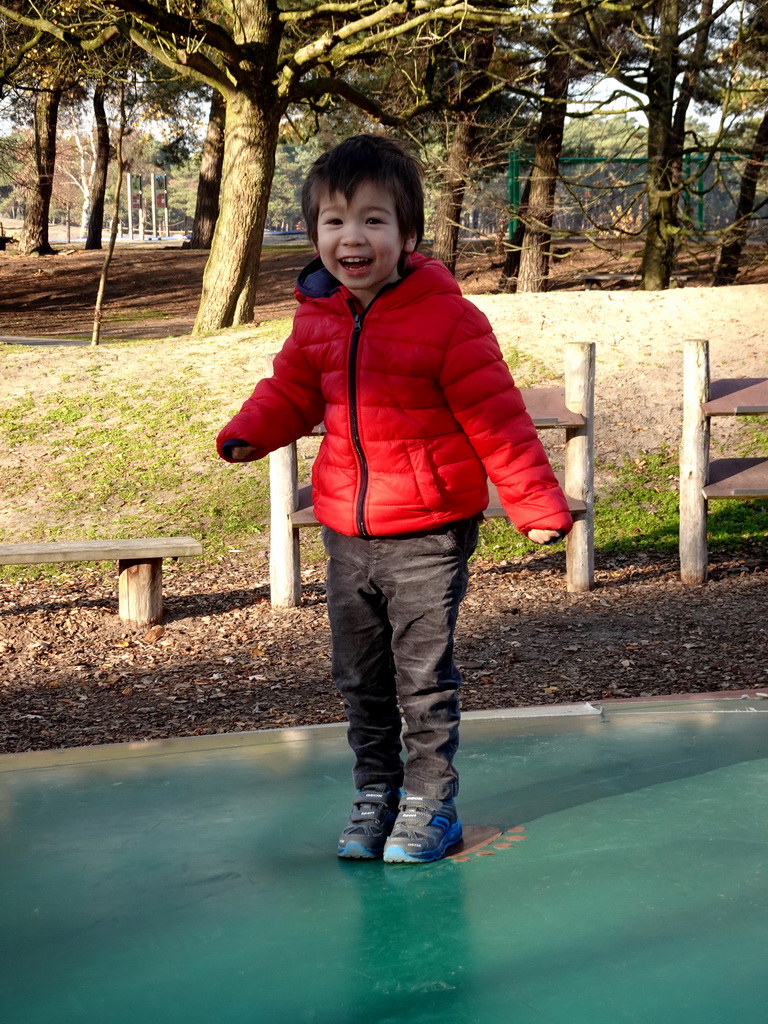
545,536
240,452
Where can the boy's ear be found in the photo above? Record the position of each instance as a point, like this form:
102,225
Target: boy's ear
409,242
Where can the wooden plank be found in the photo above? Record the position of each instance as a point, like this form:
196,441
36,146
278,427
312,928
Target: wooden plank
496,511
737,478
547,408
598,280
592,280
305,514
739,396
99,550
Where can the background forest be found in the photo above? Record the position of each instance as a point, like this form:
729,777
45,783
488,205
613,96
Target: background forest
638,125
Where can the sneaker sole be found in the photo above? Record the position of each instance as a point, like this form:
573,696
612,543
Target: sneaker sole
397,855
356,851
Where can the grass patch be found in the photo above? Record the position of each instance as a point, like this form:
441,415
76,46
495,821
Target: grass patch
755,444
133,316
119,442
640,512
527,370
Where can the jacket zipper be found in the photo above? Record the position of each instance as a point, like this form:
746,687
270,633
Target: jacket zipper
353,419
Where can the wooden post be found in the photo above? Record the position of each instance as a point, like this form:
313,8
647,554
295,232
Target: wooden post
130,205
580,463
153,201
284,553
140,591
284,560
694,461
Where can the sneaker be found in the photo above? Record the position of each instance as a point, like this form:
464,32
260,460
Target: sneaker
373,814
423,831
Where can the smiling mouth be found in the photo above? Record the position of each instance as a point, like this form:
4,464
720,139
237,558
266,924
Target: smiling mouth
355,262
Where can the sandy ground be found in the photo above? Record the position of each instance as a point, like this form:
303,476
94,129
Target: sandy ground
639,338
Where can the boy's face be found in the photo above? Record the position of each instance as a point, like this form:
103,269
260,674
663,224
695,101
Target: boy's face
359,240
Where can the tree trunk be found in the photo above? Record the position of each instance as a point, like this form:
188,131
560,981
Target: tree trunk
250,140
119,170
736,235
659,250
209,181
534,253
99,178
34,237
688,87
511,269
453,185
451,199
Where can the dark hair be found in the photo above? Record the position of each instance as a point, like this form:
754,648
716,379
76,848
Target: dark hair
367,158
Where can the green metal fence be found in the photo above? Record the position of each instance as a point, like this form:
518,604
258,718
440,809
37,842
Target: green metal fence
601,197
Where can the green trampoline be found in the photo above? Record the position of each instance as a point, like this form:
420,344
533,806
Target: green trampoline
623,878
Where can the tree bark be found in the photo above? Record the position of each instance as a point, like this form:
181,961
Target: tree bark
119,169
34,237
209,181
659,249
511,269
688,86
99,178
736,235
451,198
250,141
534,253
251,131
466,90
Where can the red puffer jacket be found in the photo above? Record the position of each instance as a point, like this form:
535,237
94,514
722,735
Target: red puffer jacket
418,404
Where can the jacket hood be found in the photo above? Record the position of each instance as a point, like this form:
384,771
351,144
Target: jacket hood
315,282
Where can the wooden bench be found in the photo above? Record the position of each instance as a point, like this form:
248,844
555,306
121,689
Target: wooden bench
700,479
140,567
601,280
570,408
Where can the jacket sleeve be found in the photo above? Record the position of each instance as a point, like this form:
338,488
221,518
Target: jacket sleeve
483,397
282,408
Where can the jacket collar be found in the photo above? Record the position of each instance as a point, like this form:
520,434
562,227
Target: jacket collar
316,282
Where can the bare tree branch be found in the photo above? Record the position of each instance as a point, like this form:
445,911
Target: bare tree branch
706,23
316,88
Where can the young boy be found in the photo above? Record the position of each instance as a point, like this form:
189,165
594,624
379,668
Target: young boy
419,409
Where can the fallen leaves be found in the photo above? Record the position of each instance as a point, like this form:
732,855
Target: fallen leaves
224,660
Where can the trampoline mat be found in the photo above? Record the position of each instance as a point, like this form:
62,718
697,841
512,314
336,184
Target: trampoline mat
622,878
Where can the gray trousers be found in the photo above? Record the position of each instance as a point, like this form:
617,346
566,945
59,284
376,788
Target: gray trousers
393,604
